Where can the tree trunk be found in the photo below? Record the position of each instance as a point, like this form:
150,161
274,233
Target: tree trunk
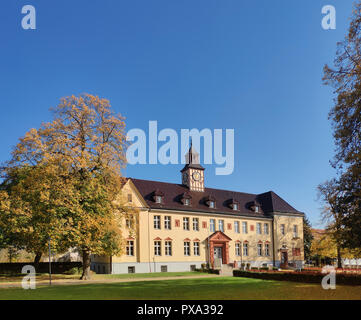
37,260
86,265
339,262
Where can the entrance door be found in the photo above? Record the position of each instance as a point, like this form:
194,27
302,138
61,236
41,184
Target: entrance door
217,257
284,259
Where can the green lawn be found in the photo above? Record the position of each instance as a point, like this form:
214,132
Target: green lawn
204,288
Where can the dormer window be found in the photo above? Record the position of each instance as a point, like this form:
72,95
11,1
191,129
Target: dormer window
233,204
210,201
158,196
255,207
186,199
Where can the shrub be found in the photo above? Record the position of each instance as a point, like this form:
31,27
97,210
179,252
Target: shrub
248,266
74,270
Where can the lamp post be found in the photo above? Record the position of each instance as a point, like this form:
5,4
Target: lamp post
49,262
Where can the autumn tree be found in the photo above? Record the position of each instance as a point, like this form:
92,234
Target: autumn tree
85,145
345,77
333,213
31,208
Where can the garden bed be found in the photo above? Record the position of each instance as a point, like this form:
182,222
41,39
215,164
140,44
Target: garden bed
306,277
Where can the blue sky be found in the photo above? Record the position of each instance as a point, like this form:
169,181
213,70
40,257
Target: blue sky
254,66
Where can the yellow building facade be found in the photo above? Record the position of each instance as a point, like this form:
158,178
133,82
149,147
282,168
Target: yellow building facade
182,226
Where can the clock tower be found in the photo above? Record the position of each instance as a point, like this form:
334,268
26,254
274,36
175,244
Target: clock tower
193,172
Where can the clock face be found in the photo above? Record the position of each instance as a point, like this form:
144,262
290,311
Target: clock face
196,176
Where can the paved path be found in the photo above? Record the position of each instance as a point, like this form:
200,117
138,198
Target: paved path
56,282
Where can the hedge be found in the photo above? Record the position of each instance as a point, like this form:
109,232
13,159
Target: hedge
56,267
348,279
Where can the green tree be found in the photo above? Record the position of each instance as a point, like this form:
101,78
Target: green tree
307,238
345,77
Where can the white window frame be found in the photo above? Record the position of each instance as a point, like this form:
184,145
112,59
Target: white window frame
221,225
186,224
283,229
266,228
236,227
196,249
212,225
187,248
259,249
157,248
196,224
245,249
259,228
156,221
237,249
168,222
244,227
130,248
168,248
267,250
295,231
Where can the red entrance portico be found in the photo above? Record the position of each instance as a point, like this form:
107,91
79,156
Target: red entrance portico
219,242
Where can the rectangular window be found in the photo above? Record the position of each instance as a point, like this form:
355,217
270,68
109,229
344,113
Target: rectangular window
211,204
131,269
129,223
221,225
238,249
296,251
244,227
187,202
130,248
236,227
212,225
266,228
259,249
259,228
157,248
163,269
196,248
295,231
158,199
266,250
195,224
167,223
185,223
168,248
130,197
282,229
187,248
156,222
245,249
